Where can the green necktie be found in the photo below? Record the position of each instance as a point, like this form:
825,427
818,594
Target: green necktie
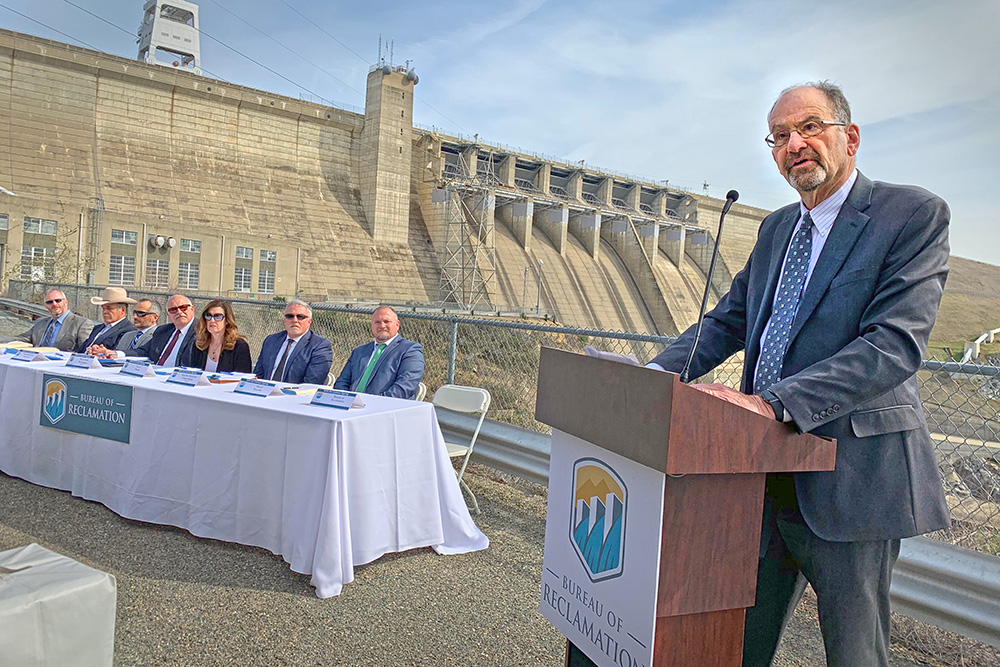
367,375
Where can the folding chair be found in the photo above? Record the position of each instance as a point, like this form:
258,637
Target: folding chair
469,400
421,392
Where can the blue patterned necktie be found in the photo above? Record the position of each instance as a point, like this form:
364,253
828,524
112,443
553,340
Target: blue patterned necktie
50,334
786,304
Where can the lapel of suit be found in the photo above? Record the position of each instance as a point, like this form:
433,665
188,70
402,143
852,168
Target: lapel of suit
63,332
845,232
300,345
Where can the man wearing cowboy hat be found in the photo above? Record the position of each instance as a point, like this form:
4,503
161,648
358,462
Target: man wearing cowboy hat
114,307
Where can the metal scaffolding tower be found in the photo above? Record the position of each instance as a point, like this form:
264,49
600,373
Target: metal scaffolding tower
468,262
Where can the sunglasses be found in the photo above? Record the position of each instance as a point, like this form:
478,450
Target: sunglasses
218,317
140,313
296,316
50,302
175,309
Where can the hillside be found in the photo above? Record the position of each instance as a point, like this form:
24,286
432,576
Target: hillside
971,303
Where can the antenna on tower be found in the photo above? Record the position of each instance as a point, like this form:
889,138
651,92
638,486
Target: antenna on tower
380,58
392,46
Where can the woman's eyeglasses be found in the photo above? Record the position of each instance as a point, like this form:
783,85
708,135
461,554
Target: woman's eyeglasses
218,317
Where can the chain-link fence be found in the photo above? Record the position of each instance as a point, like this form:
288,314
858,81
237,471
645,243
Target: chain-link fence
962,402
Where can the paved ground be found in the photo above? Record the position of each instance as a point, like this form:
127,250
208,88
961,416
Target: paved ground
192,602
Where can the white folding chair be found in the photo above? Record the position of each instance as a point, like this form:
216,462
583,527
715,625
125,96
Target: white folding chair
421,391
469,400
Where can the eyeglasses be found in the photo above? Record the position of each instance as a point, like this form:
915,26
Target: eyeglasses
174,309
296,316
218,317
806,129
140,313
50,302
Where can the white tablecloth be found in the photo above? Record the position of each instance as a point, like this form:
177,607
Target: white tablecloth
326,489
54,611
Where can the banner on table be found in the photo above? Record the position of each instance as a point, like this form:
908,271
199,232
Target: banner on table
89,407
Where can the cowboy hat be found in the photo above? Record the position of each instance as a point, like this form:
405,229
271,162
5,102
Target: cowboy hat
111,295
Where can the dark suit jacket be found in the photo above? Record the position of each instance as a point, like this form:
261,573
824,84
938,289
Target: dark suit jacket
854,348
153,348
75,329
237,359
109,339
310,360
396,374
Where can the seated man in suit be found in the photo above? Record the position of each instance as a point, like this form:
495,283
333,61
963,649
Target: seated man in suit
170,344
296,354
63,330
145,316
114,302
388,366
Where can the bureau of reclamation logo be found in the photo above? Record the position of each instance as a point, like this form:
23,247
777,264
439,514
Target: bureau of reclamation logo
54,405
597,529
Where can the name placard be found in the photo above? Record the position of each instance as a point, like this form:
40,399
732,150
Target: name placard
138,369
189,377
336,398
29,355
83,361
257,388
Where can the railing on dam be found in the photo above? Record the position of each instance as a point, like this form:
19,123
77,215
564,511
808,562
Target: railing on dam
961,401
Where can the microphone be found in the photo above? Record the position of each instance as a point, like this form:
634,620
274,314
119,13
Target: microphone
731,198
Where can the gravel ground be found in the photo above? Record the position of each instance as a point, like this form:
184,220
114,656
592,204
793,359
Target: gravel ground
189,601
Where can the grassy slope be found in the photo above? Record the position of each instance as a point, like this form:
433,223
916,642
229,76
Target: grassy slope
971,303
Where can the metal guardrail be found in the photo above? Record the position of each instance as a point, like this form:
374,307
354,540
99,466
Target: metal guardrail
23,308
948,586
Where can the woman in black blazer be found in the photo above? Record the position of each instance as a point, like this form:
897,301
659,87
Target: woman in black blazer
218,345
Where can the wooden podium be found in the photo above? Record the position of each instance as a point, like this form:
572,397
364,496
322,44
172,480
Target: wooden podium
713,457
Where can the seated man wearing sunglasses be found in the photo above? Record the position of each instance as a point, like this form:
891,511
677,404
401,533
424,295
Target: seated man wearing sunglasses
64,330
170,344
145,317
296,354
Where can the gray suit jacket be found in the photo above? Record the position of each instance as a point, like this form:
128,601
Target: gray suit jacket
75,330
126,340
855,345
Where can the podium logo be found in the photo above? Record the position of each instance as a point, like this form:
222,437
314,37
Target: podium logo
597,529
54,400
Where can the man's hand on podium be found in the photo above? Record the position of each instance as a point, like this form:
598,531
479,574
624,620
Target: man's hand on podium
750,402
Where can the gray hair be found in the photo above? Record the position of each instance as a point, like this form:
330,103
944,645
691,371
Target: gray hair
153,306
297,302
834,95
389,308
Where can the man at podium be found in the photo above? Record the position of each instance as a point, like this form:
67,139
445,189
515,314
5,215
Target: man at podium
833,311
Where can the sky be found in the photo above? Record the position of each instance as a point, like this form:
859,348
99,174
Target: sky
675,91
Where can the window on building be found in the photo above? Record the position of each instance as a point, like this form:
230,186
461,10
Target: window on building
3,221
188,275
189,245
157,273
265,281
241,282
124,237
38,264
38,226
244,253
268,256
121,270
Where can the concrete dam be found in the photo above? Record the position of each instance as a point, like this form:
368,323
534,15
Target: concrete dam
126,173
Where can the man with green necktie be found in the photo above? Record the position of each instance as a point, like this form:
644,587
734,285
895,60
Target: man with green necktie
390,365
